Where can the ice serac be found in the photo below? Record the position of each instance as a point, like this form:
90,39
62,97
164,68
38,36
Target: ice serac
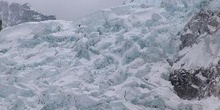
115,59
15,13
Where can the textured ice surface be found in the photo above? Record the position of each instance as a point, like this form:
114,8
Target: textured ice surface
114,59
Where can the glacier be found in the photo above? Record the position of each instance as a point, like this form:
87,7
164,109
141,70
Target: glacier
114,59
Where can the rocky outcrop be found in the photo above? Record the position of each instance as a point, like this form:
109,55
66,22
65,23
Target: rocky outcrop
197,83
203,24
13,14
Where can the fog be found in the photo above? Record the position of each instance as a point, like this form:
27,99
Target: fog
69,9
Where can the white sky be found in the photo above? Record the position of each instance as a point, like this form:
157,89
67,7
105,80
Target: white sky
69,9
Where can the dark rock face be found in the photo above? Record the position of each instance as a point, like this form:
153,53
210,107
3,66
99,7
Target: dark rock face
0,24
13,14
202,24
197,83
181,80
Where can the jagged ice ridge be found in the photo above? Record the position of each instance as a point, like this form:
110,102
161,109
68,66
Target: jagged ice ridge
115,59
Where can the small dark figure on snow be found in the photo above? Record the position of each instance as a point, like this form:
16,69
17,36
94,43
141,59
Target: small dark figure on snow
0,24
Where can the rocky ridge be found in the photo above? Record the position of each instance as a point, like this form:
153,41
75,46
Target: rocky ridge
198,81
15,13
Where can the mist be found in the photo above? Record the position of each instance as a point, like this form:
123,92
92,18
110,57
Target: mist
69,9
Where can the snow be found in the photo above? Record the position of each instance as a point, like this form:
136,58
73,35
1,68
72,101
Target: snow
115,59
204,54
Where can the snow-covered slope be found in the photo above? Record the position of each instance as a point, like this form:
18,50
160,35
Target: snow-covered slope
14,13
197,67
200,41
115,59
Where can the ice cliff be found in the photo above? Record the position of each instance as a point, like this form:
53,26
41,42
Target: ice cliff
116,59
